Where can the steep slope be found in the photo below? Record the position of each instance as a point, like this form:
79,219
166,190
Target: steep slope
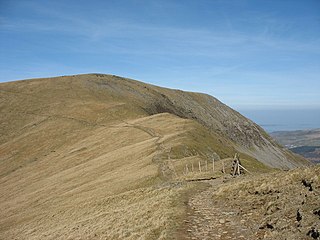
81,155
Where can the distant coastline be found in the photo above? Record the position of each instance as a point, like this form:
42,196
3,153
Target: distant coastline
285,119
288,128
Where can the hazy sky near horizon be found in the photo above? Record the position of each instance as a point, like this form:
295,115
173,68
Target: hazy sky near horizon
248,53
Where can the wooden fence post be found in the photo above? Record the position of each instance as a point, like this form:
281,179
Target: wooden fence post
212,164
238,167
223,170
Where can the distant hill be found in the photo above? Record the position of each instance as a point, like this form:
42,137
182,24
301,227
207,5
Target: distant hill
303,142
298,138
76,150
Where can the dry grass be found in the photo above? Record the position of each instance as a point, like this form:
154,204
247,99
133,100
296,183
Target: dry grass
81,157
144,213
93,185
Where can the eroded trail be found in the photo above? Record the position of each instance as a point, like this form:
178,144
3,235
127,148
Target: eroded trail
208,218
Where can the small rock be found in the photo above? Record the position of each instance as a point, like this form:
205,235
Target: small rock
222,221
269,226
316,212
313,233
299,216
307,184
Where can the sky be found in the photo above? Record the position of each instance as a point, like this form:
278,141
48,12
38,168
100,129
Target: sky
250,54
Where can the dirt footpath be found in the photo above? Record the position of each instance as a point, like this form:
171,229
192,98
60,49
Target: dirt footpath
210,219
279,205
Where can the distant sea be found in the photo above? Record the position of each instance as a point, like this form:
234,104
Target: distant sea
284,120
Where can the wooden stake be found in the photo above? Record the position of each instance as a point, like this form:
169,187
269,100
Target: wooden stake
212,164
238,168
199,166
244,168
235,168
223,170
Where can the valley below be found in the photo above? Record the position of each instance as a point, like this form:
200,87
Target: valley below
303,142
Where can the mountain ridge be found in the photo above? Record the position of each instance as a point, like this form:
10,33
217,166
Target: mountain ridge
102,157
203,108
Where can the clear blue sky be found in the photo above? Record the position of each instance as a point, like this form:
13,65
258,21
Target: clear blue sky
249,54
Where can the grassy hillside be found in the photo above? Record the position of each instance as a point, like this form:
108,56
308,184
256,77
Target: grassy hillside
98,156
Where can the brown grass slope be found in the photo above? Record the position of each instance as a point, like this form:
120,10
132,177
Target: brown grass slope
92,100
94,156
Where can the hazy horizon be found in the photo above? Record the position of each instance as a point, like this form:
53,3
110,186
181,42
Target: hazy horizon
284,119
